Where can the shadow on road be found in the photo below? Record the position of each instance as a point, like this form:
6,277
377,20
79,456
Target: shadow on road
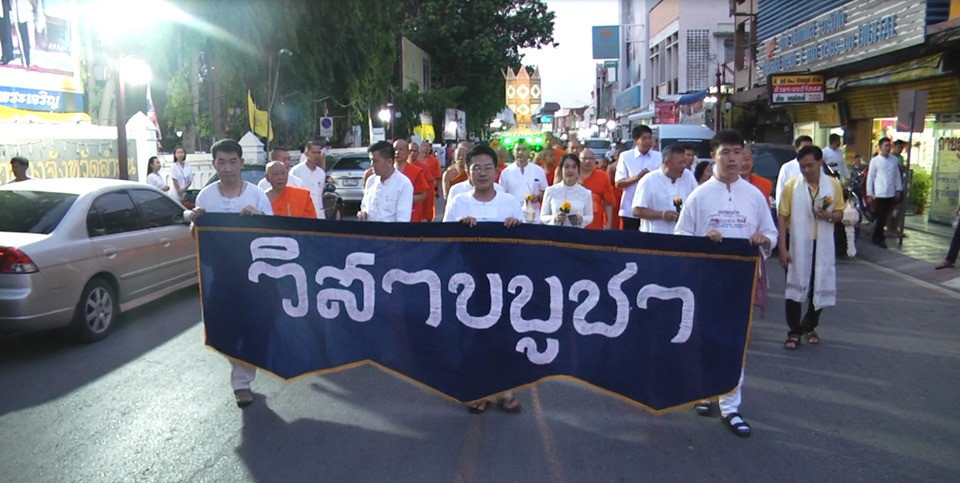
26,358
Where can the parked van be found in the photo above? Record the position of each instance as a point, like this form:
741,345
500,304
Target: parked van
698,136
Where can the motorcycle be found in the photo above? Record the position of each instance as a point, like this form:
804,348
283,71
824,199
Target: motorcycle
858,188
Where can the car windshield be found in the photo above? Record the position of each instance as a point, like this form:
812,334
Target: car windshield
352,163
597,144
701,147
252,175
33,211
767,159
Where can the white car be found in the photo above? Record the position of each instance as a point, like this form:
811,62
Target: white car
77,251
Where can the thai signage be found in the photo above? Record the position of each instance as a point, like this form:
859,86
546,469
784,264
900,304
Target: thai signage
856,31
794,89
70,158
946,172
474,311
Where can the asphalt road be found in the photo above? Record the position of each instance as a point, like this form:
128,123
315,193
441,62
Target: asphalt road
877,400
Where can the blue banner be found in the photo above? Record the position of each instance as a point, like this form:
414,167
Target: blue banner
470,312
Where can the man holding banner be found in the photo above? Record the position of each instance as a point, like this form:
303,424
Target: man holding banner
231,194
728,206
389,197
485,203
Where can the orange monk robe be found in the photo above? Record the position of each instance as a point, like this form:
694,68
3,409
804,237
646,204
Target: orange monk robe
500,170
431,171
763,184
599,186
293,201
617,195
415,174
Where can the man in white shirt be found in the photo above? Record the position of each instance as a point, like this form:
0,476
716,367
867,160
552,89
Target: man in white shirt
484,203
833,157
791,168
523,178
282,155
231,194
885,187
727,206
632,166
389,196
466,187
661,193
312,176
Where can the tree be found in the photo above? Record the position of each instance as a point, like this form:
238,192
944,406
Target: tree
470,42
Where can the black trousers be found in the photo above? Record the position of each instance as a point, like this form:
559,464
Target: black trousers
954,246
6,33
793,308
883,208
630,223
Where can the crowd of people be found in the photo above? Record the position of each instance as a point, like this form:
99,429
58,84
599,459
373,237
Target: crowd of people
640,187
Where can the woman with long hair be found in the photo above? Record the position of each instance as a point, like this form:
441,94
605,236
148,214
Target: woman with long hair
567,203
153,174
181,173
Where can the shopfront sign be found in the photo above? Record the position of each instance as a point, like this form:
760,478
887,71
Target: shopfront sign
794,89
854,32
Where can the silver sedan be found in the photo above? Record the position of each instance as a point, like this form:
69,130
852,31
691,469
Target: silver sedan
75,252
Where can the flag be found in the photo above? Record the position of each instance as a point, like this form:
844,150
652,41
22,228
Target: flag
152,114
258,119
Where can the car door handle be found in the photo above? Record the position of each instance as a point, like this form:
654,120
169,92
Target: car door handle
165,242
110,253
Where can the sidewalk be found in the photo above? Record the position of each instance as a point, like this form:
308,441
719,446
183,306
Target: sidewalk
924,245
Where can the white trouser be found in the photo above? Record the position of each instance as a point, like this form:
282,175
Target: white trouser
730,403
241,374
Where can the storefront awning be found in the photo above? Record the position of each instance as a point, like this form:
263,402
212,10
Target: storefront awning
922,68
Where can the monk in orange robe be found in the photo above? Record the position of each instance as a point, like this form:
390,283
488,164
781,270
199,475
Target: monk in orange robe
287,200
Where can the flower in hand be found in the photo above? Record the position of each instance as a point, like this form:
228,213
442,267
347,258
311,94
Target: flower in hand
827,201
677,203
528,197
565,207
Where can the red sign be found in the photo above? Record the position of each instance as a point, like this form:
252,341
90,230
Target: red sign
667,112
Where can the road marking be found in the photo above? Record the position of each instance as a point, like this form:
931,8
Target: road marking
914,280
467,463
549,447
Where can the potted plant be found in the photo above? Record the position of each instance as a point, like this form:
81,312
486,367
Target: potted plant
920,184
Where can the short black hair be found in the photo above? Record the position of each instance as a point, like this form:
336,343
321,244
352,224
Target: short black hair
277,150
227,146
833,137
811,149
20,160
640,131
701,167
687,147
899,142
726,136
802,139
384,148
481,149
882,140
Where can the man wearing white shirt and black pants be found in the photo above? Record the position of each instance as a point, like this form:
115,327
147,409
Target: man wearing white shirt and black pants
312,175
833,157
655,202
791,169
885,187
389,196
632,166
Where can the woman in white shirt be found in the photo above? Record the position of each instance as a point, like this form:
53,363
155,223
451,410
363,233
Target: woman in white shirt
579,209
180,173
153,174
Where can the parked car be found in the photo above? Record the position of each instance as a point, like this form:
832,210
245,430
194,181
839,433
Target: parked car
767,159
78,251
599,146
345,167
253,173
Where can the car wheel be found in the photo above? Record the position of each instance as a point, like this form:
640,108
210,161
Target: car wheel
96,311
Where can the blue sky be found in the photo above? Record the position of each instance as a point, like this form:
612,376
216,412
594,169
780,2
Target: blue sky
567,72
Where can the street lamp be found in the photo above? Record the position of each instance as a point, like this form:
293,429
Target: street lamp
135,72
273,96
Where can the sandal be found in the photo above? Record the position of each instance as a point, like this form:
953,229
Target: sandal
477,408
703,408
813,338
508,405
793,341
739,428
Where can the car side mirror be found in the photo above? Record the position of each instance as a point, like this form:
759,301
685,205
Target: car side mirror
329,188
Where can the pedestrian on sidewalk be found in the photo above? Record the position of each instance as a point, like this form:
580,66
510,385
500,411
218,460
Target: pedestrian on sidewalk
885,188
811,204
951,259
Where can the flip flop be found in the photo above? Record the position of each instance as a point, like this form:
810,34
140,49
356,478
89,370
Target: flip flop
508,405
792,343
477,408
813,338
